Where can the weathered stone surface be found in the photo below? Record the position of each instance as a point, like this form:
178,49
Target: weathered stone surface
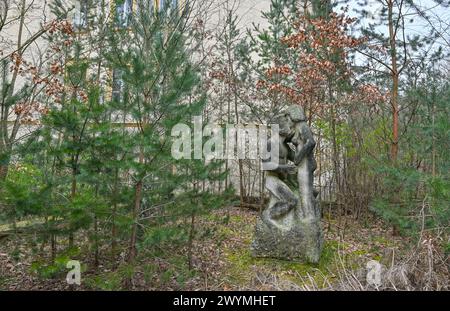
289,227
292,238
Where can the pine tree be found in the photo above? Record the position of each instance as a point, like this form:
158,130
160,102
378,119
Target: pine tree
160,90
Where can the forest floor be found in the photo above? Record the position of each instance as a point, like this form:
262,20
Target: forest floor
220,260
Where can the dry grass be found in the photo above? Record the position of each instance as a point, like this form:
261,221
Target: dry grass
222,261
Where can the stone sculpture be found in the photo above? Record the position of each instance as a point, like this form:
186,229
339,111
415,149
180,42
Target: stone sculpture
289,227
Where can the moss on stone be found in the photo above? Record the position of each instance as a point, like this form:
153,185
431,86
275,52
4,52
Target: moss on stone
242,266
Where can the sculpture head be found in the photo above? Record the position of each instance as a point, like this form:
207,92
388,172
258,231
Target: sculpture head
296,113
287,120
285,125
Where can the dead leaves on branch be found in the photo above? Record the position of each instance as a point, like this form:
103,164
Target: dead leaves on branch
49,77
322,46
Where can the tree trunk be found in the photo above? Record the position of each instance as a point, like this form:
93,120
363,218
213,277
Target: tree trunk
191,240
73,193
3,171
394,98
7,139
395,83
137,208
113,216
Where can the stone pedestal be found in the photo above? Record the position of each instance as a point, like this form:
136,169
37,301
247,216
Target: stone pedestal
301,240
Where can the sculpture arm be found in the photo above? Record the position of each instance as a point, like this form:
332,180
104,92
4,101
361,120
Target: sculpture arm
308,146
279,168
287,169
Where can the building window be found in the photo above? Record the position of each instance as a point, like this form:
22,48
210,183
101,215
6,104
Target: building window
161,5
147,6
117,85
171,5
182,6
174,6
151,5
80,18
124,9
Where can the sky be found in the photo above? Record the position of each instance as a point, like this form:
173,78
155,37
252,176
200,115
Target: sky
419,26
250,11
